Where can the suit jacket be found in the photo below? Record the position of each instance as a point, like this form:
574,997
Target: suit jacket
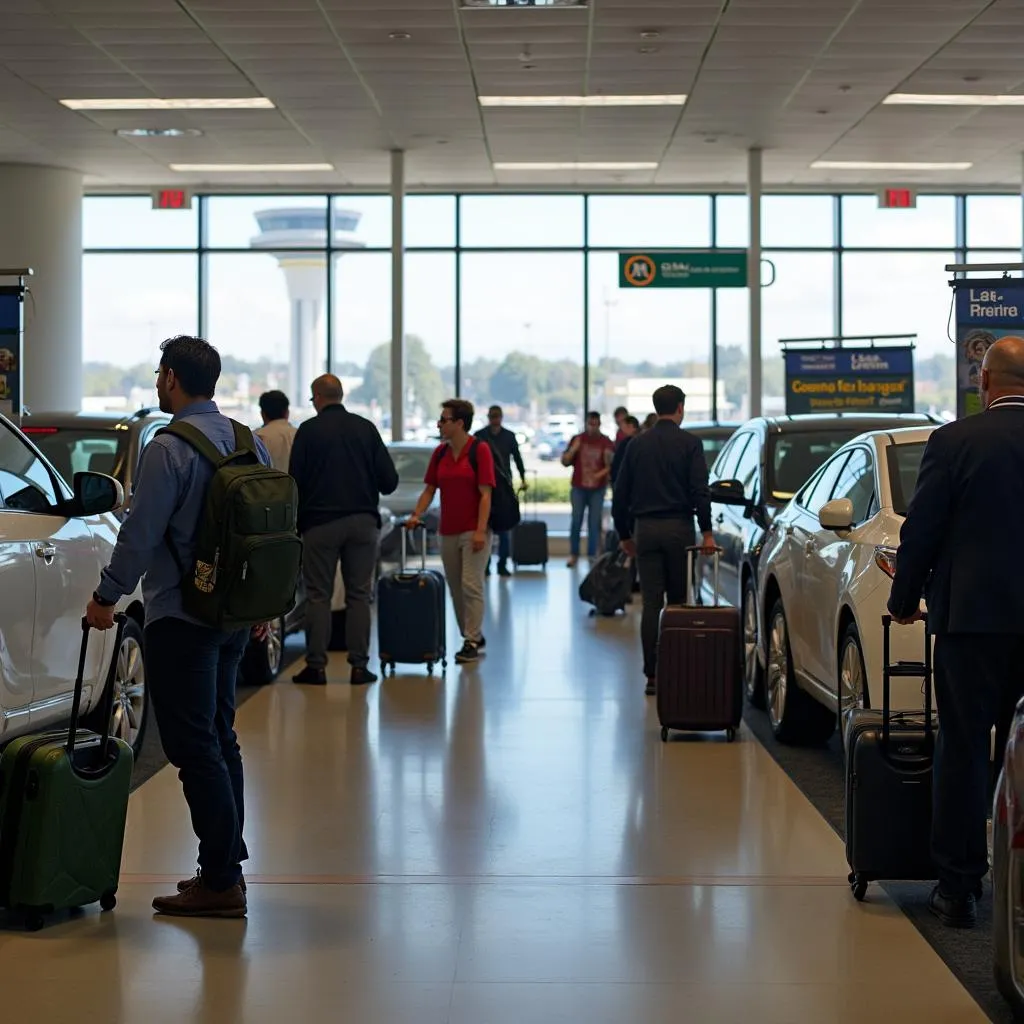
959,546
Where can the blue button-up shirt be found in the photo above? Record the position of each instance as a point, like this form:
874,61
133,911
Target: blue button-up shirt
170,493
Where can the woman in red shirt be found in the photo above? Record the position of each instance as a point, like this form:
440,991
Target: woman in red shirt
465,511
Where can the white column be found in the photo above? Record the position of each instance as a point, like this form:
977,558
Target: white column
754,165
41,228
397,295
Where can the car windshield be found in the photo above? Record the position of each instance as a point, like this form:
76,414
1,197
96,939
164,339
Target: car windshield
904,465
795,457
80,450
411,463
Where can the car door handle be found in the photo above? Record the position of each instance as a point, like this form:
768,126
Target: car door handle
720,518
47,552
810,547
788,530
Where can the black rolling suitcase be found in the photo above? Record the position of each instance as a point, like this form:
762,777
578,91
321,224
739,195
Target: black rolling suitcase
411,615
530,540
889,782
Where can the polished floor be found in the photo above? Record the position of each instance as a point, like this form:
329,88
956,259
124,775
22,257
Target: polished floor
510,842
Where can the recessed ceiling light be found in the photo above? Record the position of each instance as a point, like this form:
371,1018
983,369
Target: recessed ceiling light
674,100
236,103
399,36
888,165
953,100
650,33
156,133
477,4
585,165
245,168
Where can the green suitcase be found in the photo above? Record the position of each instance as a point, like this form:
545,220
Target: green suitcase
63,805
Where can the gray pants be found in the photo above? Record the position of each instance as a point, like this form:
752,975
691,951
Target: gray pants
354,540
661,561
464,570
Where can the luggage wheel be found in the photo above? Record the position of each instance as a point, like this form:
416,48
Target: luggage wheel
34,921
859,887
664,734
430,668
108,901
730,735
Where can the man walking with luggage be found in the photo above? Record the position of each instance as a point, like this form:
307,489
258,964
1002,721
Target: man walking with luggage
662,484
341,467
276,433
505,448
975,612
590,455
191,668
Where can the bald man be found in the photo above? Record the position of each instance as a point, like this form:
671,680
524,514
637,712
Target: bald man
341,467
959,549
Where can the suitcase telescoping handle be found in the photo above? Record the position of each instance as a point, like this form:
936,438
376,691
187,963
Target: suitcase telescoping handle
405,552
905,670
693,553
108,689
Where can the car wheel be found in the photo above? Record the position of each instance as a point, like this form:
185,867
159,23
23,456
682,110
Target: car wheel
130,711
853,680
261,662
795,717
1005,909
753,676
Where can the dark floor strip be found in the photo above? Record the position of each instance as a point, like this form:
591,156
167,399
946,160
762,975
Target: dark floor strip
818,773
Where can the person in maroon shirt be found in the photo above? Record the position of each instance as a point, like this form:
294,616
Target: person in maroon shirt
621,415
465,511
590,455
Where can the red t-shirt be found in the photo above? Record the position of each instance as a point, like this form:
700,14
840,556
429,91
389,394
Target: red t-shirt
460,486
590,460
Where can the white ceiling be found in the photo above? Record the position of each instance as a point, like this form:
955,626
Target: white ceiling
804,79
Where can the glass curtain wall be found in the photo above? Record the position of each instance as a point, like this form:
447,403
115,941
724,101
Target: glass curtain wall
515,299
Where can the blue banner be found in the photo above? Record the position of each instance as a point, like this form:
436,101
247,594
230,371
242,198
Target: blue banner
850,380
985,312
11,305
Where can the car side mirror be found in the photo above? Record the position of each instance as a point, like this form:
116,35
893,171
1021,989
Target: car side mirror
95,494
729,492
837,515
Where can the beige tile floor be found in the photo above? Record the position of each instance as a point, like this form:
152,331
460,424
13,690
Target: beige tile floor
508,843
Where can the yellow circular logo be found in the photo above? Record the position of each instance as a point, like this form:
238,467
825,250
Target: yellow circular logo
640,271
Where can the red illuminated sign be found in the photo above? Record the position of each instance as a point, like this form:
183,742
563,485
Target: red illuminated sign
172,199
897,199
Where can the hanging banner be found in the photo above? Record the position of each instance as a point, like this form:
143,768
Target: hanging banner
985,312
850,380
718,269
11,328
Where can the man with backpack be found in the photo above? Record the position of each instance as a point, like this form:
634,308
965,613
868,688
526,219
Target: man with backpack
212,532
505,448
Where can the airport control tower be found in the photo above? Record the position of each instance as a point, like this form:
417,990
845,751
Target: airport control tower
289,228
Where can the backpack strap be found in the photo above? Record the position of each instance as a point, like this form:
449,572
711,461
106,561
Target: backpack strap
244,440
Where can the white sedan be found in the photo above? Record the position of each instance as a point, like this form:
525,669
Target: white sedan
826,570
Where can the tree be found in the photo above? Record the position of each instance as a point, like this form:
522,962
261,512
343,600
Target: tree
423,378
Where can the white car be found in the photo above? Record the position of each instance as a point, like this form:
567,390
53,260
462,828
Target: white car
827,565
54,541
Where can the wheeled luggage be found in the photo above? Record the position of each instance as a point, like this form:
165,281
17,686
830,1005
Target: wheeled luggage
889,782
700,664
530,539
411,615
63,805
609,584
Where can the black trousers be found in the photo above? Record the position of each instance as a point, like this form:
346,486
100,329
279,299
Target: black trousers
978,680
191,671
661,562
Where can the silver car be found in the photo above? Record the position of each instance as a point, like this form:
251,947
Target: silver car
1008,870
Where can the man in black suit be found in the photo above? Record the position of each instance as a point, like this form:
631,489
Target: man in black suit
971,483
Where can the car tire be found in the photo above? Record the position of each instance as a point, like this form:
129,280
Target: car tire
795,717
1004,914
262,659
130,713
753,674
851,680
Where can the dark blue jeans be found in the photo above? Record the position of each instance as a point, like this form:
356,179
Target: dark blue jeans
590,502
504,546
191,672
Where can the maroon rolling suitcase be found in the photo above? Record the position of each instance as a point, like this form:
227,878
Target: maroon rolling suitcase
700,664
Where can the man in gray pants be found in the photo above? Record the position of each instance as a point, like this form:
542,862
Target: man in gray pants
341,467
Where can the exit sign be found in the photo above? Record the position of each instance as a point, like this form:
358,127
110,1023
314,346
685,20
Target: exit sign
172,199
897,199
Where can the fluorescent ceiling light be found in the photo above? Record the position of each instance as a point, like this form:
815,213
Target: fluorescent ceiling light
673,100
244,103
242,168
888,165
157,133
953,100
593,165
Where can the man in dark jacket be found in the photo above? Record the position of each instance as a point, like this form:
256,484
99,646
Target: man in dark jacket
505,447
661,485
341,467
975,592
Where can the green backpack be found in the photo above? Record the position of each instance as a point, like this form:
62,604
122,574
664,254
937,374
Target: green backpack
248,554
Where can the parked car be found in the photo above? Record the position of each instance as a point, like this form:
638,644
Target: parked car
411,459
829,558
714,436
1008,870
54,541
755,475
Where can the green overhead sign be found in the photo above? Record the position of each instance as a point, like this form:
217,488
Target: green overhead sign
683,269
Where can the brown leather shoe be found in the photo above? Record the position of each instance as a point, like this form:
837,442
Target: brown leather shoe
187,883
199,901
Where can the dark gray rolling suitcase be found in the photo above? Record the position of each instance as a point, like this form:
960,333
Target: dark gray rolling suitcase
700,664
411,626
609,584
889,782
530,539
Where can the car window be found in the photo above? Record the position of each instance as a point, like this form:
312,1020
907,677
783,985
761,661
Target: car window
25,482
857,482
796,456
904,466
748,465
817,491
725,467
411,463
712,447
78,451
